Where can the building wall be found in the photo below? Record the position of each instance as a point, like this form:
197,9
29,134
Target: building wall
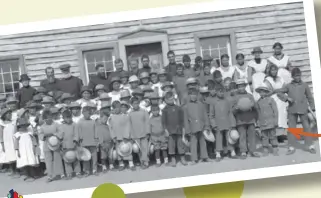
257,26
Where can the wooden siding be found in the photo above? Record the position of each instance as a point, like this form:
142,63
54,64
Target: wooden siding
257,26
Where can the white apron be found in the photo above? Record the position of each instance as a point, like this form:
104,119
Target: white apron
27,156
114,96
282,64
8,140
282,106
259,76
41,145
227,73
243,74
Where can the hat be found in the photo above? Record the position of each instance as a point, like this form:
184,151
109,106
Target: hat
24,77
65,96
74,105
83,154
144,74
124,74
114,79
153,71
34,105
133,78
147,88
4,111
124,94
47,99
154,95
262,87
11,99
186,58
207,58
22,122
124,103
85,88
37,97
64,67
105,104
54,110
91,104
21,112
136,147
147,95
257,49
241,82
208,135
99,87
162,71
53,143
69,156
204,90
166,84
3,98
42,90
104,96
124,149
137,91
191,81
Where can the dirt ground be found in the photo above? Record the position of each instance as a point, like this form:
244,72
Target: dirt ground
156,173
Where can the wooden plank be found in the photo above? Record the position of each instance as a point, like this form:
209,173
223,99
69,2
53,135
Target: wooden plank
183,46
186,51
290,52
48,55
54,65
270,42
51,60
285,24
278,35
173,37
41,73
181,41
268,31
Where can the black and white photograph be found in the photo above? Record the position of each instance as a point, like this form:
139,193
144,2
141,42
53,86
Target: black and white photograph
157,98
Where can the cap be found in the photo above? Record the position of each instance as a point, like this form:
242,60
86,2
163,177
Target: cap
105,104
99,87
257,49
11,99
241,82
54,110
91,104
85,88
65,96
22,122
114,79
191,81
133,78
166,84
154,95
47,99
204,90
144,74
64,67
137,91
147,88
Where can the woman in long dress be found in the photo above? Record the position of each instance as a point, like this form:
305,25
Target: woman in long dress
276,82
260,65
282,61
243,71
226,69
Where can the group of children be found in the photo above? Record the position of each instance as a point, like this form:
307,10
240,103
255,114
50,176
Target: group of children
144,119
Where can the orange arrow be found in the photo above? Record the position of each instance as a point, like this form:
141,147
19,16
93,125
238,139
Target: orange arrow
298,132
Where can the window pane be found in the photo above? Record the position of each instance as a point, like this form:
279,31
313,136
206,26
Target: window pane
7,64
104,56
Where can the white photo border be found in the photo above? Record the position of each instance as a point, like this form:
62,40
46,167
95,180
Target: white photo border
217,5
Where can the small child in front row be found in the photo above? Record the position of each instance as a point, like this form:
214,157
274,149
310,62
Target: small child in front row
158,136
267,120
68,135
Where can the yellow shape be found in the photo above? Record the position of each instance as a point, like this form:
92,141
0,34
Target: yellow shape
225,190
108,190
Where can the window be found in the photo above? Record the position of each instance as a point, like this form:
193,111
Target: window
215,44
91,55
10,70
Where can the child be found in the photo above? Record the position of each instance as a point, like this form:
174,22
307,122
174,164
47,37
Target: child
153,77
99,89
25,145
268,119
75,109
198,61
158,137
86,94
66,99
196,121
8,130
68,135
139,94
134,83
119,123
56,115
26,92
191,83
48,102
162,77
12,104
169,87
245,120
179,81
104,138
173,123
125,95
206,75
124,77
154,100
115,87
300,99
42,91
37,99
144,78
204,94
197,74
218,78
53,158
188,70
88,137
140,130
222,121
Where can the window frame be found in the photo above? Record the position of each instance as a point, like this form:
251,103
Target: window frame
91,47
22,67
218,33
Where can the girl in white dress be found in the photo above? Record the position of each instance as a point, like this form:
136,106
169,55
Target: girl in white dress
86,94
260,66
9,128
226,69
115,87
282,61
275,82
25,144
243,71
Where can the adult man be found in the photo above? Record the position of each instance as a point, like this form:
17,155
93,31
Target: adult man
99,78
69,83
119,68
145,63
171,67
133,67
50,83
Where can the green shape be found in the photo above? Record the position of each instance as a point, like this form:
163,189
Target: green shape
108,190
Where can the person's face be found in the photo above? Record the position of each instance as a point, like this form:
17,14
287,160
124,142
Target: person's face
199,63
193,97
154,101
192,85
124,108
171,58
218,79
124,80
257,55
227,84
116,86
187,64
204,95
86,95
103,118
220,94
278,50
155,112
75,111
25,83
207,69
240,60
133,65
101,71
99,92
134,85
126,99
135,105
241,88
197,72
68,120
56,116
67,101
167,88
162,78
225,62
48,105
273,71
262,93
169,101
144,81
86,114
26,115
8,116
179,70
297,78
49,120
119,66
145,62
32,111
154,78
117,109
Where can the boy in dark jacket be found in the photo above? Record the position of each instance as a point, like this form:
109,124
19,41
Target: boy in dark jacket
26,92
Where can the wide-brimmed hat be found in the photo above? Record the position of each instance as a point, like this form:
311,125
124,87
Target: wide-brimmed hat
167,84
34,105
207,58
21,112
209,136
69,156
4,111
53,143
74,105
124,94
191,81
262,88
257,49
55,110
124,103
24,77
22,122
204,90
136,147
234,135
138,91
124,149
37,98
241,82
162,72
99,87
86,88
154,95
83,154
47,99
104,96
144,74
42,90
115,79
65,96
105,104
11,100
133,78
146,88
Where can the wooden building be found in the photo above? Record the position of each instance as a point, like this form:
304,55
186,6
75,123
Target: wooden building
230,31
